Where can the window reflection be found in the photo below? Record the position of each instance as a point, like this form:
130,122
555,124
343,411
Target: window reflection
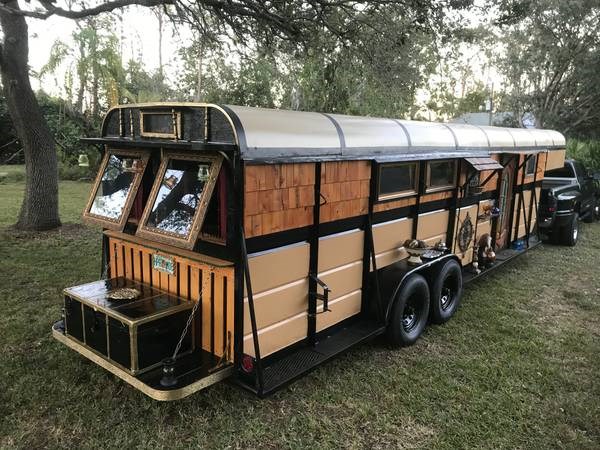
179,196
114,187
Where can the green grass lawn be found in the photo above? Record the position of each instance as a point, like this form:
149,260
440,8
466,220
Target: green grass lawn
517,367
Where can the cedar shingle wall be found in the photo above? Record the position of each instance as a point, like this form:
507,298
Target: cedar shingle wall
345,189
278,197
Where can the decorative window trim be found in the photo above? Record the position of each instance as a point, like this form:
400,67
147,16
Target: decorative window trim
176,124
445,187
167,237
114,224
398,194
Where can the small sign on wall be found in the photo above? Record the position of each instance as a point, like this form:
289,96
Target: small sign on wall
163,264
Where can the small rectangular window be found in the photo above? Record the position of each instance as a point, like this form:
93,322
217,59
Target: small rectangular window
531,165
179,198
115,188
397,180
441,175
161,124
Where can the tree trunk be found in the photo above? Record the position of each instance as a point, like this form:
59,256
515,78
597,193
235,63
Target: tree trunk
39,210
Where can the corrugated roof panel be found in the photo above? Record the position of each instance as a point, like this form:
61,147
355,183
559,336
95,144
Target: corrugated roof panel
498,137
468,136
429,134
542,137
366,132
275,128
523,137
557,138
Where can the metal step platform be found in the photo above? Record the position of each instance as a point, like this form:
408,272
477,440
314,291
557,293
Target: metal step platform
502,257
279,372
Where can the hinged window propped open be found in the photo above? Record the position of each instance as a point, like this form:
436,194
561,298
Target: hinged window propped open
179,198
481,164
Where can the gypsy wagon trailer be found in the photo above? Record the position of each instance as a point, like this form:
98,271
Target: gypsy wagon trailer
257,244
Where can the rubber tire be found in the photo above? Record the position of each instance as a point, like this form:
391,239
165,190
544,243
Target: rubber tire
591,216
415,285
453,271
567,233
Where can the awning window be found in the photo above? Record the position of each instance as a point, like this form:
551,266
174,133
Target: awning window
481,164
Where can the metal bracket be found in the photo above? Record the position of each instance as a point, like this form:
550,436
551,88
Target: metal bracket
324,297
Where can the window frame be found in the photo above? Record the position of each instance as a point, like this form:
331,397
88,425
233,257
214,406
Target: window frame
114,224
533,157
188,242
398,194
175,122
446,187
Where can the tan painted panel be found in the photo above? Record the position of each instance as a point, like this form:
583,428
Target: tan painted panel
340,249
342,308
278,336
277,304
342,280
278,267
432,224
292,330
555,159
483,227
390,257
391,235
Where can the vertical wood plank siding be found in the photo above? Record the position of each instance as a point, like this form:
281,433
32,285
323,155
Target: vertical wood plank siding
214,319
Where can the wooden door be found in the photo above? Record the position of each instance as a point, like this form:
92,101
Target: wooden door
505,204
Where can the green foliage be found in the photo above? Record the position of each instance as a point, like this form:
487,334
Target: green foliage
552,62
587,152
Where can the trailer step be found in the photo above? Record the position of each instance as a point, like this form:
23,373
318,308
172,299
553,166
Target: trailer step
502,257
281,372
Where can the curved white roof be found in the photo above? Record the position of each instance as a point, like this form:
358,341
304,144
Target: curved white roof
275,134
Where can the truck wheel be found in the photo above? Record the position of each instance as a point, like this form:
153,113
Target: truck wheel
591,215
570,232
446,292
597,211
410,312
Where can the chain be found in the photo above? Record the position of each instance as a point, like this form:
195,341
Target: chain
187,326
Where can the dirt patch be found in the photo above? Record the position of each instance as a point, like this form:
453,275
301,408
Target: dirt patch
67,230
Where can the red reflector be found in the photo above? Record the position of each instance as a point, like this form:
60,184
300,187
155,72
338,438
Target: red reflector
551,208
247,363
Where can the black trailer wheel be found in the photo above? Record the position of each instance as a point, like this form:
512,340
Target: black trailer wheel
446,292
590,217
570,232
410,312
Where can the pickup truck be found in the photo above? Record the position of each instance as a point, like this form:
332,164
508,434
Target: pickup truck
568,194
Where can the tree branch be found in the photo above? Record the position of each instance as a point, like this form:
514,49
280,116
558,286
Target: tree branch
51,10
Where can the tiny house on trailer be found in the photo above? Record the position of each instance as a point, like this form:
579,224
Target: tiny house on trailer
256,244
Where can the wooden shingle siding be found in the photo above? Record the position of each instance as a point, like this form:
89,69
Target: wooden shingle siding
192,278
345,189
278,197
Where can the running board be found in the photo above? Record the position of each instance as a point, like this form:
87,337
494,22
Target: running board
502,257
282,371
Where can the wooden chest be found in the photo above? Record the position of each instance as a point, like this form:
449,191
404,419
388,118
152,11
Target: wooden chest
135,334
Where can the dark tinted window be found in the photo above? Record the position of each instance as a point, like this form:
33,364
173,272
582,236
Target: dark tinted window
441,174
564,172
397,179
531,165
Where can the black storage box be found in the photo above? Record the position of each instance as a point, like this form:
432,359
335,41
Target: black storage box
137,333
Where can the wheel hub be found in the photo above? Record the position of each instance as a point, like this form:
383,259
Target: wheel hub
409,318
446,298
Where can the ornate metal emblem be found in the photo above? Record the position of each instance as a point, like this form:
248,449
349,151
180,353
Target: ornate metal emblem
465,234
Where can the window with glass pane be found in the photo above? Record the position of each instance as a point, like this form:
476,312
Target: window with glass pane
179,199
179,196
115,188
531,165
397,179
441,174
